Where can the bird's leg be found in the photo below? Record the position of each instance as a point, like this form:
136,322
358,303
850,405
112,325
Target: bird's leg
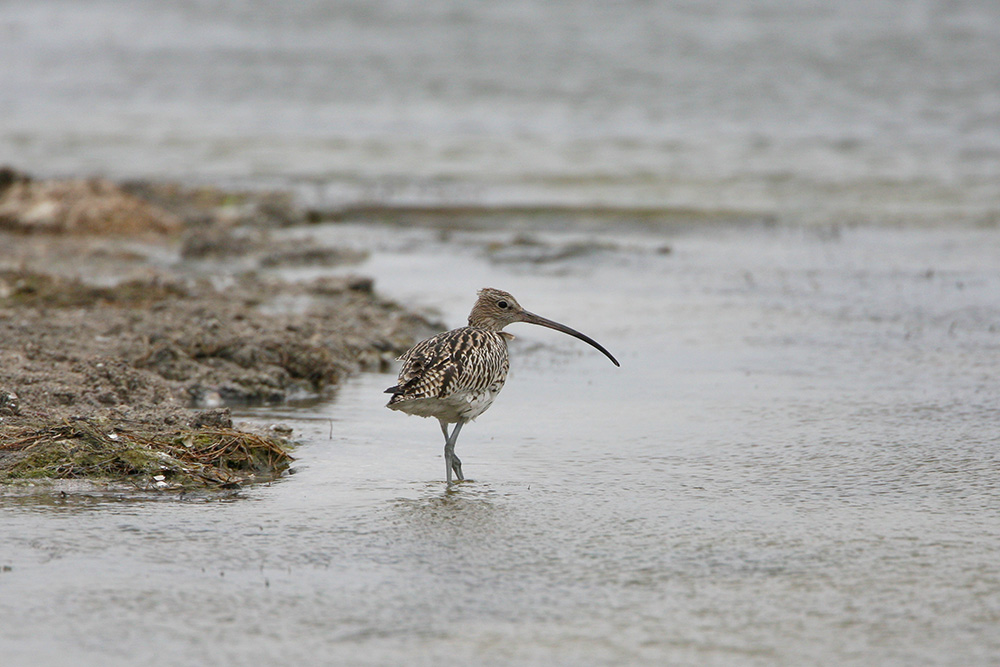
449,451
451,462
456,463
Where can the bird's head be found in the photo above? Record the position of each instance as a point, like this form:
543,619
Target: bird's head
495,309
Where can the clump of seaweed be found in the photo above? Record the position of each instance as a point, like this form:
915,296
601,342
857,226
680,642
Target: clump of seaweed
207,457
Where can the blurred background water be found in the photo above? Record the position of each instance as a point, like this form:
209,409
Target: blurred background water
797,461
804,109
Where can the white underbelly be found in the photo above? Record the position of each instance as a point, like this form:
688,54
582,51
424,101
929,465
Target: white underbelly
460,406
478,403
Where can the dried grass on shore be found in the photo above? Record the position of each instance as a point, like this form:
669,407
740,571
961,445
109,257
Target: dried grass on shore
181,459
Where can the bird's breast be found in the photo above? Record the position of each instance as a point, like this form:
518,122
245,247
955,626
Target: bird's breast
458,372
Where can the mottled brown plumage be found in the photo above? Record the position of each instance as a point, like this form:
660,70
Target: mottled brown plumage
455,376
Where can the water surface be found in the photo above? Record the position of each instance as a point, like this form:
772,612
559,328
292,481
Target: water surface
796,464
807,110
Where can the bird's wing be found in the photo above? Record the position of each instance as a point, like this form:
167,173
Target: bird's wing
457,360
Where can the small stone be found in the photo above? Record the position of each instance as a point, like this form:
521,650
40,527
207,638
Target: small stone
9,404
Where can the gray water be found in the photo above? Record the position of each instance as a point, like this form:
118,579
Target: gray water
803,109
797,462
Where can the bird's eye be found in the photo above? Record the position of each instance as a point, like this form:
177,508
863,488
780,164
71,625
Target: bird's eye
502,304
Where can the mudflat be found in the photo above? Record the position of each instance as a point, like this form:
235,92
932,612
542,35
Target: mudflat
133,315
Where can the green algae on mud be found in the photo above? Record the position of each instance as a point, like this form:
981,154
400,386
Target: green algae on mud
182,459
472,217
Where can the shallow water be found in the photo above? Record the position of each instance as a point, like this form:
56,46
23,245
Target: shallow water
796,464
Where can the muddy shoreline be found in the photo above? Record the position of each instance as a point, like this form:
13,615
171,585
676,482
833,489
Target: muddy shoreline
132,315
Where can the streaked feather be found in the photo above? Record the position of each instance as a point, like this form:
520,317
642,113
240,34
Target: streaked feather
462,364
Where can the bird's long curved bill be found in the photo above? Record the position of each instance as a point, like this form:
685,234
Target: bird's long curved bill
531,318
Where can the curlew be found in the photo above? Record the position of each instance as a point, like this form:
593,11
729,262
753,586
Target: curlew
456,375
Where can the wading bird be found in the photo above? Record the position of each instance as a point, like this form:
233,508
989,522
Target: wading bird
455,376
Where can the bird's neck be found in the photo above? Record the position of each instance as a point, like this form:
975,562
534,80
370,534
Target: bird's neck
486,325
